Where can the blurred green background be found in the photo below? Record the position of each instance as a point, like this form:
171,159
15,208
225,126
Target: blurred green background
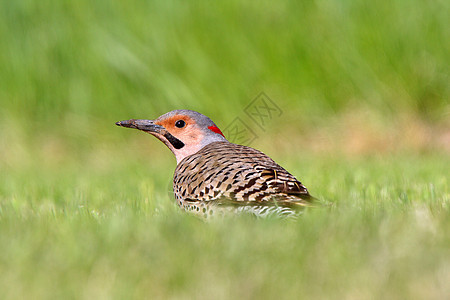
86,208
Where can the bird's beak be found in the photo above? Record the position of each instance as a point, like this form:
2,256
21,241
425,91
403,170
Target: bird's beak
144,125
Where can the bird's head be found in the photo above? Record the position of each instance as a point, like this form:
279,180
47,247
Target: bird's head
184,132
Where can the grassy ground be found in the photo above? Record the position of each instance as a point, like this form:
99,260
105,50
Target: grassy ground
117,234
86,208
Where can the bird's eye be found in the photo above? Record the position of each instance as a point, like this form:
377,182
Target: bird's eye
180,123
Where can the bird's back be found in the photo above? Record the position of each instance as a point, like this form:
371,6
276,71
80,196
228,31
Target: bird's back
223,176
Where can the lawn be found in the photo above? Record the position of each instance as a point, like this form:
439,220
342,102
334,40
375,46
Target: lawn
116,233
361,116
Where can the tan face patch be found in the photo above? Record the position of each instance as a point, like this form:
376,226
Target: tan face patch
189,134
169,123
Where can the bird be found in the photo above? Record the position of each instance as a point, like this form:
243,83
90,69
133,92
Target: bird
216,177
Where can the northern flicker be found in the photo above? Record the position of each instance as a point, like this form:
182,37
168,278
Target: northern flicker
214,176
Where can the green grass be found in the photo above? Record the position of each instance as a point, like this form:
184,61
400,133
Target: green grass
117,233
86,209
